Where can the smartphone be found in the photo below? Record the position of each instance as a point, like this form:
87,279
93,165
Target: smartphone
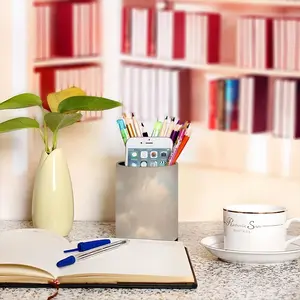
148,151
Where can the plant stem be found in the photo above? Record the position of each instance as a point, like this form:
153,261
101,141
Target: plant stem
45,139
54,144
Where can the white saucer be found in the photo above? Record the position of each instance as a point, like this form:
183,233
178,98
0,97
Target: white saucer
215,245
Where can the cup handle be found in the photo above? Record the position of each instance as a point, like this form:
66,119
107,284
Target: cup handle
287,225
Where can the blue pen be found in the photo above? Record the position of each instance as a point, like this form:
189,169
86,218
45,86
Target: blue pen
70,260
231,100
84,246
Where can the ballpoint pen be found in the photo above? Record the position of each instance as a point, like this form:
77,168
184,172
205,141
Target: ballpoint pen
70,260
156,129
164,127
84,246
136,126
129,125
123,130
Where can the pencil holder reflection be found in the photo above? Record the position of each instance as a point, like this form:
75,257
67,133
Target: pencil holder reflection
147,202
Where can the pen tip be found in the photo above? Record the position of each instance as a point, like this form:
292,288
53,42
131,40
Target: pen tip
132,114
166,117
124,115
142,124
173,119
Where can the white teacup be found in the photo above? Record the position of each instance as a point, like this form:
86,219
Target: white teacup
255,227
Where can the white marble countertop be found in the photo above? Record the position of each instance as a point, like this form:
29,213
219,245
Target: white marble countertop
216,280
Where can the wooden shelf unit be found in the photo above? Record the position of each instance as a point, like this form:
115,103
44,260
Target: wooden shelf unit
67,38
235,151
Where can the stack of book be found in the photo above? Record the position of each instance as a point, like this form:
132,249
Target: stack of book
155,93
254,42
169,35
286,108
239,104
87,77
66,29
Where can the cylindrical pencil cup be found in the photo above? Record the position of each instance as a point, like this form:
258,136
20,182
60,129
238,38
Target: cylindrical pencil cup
147,202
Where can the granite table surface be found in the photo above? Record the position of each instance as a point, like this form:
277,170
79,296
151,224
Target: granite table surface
216,280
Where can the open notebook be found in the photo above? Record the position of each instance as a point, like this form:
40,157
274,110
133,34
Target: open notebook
28,257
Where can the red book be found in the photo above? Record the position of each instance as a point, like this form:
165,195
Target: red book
213,100
62,34
179,35
256,104
184,92
126,30
213,34
151,32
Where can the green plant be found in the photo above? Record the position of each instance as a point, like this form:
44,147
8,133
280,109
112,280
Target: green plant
59,110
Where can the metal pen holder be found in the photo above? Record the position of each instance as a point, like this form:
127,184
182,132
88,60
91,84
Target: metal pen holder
147,202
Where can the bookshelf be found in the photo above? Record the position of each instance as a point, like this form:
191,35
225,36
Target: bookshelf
234,151
67,47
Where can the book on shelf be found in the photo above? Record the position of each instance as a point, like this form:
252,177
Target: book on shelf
154,92
254,40
139,263
286,108
66,29
168,34
238,104
286,43
253,104
87,77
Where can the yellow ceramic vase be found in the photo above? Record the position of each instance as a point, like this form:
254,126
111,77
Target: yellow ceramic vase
52,203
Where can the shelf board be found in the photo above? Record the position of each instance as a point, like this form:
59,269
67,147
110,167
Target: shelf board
239,2
67,61
212,68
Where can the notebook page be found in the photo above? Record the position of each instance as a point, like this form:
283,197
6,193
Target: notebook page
138,257
32,247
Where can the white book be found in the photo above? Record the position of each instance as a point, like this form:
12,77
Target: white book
127,87
289,45
245,43
198,37
76,32
137,262
160,94
153,93
277,107
262,43
276,44
294,53
189,41
282,44
165,35
250,104
204,38
95,24
47,37
134,31
174,99
242,104
145,94
136,90
239,52
285,109
256,45
81,30
250,45
292,108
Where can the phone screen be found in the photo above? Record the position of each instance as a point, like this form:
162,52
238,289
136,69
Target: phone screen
148,157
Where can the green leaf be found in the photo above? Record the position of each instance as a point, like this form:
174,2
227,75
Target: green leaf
17,124
56,121
87,103
21,101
